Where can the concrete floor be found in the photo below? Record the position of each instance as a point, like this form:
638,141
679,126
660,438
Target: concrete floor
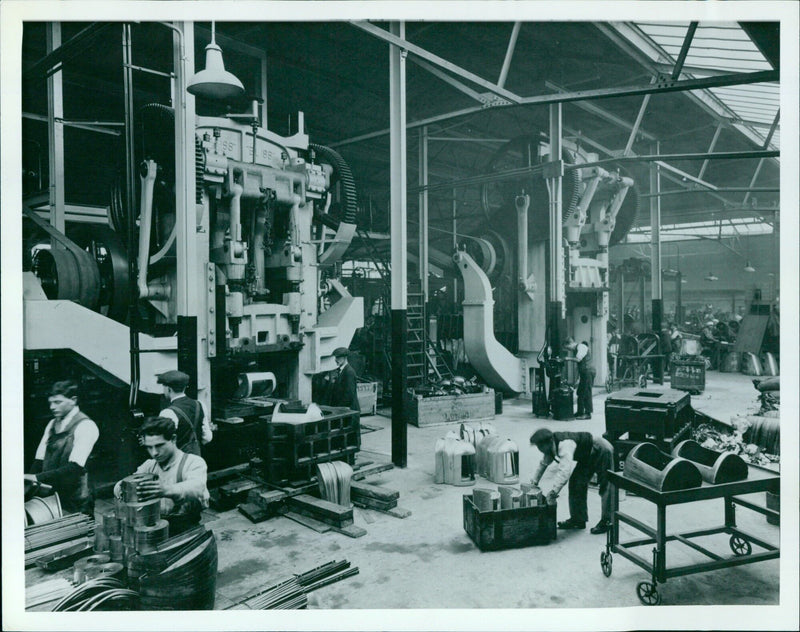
427,560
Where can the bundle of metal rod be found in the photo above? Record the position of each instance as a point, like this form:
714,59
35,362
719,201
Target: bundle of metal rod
147,538
350,572
32,557
57,530
53,590
334,482
129,485
326,570
292,593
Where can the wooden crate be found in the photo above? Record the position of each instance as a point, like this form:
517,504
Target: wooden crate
451,409
509,528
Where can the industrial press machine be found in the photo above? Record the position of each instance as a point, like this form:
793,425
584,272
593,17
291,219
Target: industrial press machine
217,255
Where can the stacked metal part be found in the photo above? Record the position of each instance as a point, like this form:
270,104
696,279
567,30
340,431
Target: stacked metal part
141,526
181,574
334,482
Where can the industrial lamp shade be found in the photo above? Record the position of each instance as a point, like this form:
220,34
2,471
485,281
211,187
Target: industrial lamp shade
749,268
712,277
215,82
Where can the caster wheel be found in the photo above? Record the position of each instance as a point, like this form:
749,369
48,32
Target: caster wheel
740,546
647,593
642,381
605,563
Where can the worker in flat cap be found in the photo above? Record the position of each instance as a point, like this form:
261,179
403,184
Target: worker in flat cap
343,389
191,421
578,455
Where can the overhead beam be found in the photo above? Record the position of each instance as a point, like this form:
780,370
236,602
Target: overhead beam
378,32
512,45
659,87
640,48
602,113
711,148
687,43
66,51
767,141
718,190
440,74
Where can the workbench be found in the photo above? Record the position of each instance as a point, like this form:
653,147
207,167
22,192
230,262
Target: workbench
759,480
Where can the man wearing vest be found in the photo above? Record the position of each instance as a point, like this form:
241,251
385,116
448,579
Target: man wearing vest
586,373
344,389
589,455
181,482
65,447
188,415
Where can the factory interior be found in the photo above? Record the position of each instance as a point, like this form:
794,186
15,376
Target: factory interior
547,252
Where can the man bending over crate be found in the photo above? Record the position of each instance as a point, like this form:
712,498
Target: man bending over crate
589,455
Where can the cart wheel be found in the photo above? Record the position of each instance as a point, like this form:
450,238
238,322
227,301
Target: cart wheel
740,546
647,593
605,563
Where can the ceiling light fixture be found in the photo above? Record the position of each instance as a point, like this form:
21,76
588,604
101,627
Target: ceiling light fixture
749,268
711,277
215,82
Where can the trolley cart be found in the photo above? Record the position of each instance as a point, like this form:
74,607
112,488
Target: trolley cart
759,480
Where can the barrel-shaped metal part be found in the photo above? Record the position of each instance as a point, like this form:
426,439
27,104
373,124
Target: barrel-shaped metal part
109,569
143,513
649,465
111,523
715,467
147,538
116,548
129,484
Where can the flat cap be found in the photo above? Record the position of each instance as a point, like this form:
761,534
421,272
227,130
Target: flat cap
341,351
175,379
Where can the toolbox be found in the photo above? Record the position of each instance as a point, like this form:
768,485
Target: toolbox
509,528
664,418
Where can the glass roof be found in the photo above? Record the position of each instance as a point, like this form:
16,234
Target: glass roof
722,47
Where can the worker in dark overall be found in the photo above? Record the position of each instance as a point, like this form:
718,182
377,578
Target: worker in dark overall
66,444
344,388
588,455
181,477
586,373
192,424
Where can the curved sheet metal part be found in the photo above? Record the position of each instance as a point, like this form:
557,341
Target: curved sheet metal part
498,367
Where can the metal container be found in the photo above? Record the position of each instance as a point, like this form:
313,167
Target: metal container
715,467
649,465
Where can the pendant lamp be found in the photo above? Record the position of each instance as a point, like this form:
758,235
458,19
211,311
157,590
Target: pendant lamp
215,82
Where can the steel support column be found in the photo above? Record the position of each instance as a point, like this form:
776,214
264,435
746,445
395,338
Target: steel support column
55,134
655,259
553,173
423,214
397,148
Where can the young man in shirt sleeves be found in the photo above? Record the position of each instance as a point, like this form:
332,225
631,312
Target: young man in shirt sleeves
66,444
181,482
